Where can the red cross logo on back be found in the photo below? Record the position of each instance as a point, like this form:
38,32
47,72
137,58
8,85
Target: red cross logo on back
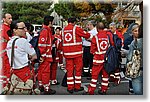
68,37
103,45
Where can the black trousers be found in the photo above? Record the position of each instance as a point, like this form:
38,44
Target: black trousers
87,60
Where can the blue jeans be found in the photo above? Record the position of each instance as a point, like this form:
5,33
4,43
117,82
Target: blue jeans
137,84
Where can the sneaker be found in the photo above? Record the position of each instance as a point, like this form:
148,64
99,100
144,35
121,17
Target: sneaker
70,91
81,89
54,82
101,92
49,92
131,92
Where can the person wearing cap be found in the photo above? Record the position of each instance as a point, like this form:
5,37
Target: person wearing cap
72,51
115,77
4,38
87,56
126,46
45,47
137,43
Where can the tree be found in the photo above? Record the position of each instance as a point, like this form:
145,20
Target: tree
65,9
84,8
32,12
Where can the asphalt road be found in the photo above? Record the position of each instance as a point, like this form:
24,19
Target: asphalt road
121,89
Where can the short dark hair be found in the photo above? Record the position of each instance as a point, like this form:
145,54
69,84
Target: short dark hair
4,15
29,26
72,20
48,19
13,25
58,28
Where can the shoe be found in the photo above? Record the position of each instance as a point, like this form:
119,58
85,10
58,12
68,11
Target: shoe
54,82
70,91
131,92
81,89
116,83
101,92
62,67
41,88
49,92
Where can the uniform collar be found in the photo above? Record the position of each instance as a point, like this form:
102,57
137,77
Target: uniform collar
44,26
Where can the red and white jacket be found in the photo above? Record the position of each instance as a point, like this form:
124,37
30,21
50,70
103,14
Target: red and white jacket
58,46
99,46
72,42
45,43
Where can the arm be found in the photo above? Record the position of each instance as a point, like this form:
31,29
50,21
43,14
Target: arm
93,46
131,48
82,33
42,43
29,49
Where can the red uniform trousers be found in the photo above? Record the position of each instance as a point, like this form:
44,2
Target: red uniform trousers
115,77
44,74
53,70
24,73
74,66
96,69
5,70
60,54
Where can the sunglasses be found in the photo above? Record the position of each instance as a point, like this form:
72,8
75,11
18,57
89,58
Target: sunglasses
22,28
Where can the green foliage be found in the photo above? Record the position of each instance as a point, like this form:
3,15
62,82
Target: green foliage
32,12
66,9
84,8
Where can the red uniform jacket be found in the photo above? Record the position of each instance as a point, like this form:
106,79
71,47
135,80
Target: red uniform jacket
45,44
4,38
72,41
57,45
120,36
99,46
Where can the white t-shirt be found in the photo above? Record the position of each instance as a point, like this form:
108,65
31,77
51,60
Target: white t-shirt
92,32
29,37
21,50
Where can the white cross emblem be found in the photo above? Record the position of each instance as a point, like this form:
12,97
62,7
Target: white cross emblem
68,37
103,45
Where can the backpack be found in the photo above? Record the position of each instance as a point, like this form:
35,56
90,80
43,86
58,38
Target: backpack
34,43
111,61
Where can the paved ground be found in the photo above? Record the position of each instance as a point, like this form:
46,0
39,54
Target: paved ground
121,89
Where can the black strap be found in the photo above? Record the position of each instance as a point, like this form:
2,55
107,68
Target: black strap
12,52
109,40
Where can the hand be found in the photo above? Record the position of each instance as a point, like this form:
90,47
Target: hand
41,60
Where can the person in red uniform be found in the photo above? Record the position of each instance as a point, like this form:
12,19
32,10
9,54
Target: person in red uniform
4,38
45,47
56,47
60,53
116,76
72,51
99,46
